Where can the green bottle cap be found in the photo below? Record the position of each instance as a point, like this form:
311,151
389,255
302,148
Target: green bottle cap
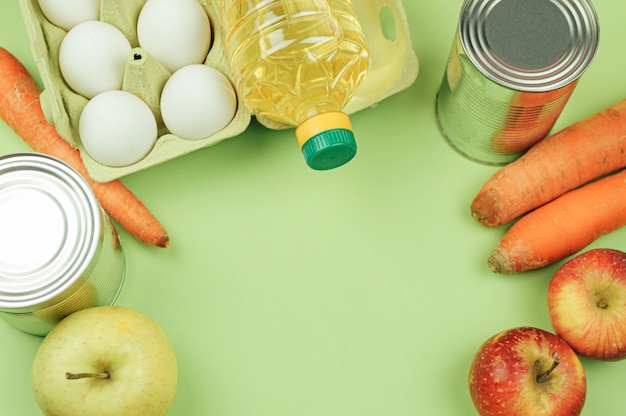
329,149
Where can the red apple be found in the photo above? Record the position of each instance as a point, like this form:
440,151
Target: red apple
527,371
587,304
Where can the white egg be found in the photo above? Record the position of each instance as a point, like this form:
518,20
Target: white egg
93,57
68,13
175,32
117,128
197,101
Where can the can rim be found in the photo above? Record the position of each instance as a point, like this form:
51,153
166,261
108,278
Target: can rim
20,289
582,21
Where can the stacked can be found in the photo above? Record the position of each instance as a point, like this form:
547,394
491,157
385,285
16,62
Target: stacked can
512,68
59,252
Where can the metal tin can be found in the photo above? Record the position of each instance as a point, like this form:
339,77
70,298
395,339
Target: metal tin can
512,68
59,251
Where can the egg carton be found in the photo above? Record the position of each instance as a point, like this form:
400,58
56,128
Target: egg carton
394,68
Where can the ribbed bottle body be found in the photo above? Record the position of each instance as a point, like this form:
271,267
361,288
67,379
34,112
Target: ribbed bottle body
294,59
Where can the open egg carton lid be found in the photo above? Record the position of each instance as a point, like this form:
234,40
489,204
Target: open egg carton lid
394,68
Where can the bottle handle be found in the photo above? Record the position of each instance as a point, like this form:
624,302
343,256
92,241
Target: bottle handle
394,62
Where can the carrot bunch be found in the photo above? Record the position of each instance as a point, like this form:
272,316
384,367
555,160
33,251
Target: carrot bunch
21,110
565,192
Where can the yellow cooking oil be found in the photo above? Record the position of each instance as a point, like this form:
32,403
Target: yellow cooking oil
298,62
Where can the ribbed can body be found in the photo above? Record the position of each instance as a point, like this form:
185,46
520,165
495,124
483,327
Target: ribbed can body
512,68
59,251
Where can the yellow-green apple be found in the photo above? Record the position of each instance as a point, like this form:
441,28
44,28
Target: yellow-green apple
527,371
587,303
106,360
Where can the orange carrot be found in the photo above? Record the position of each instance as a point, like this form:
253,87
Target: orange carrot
21,110
584,151
563,226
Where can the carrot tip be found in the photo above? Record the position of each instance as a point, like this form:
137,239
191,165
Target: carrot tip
163,242
485,214
498,263
478,216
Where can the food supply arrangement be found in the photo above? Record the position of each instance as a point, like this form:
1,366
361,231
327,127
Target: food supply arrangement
376,236
129,47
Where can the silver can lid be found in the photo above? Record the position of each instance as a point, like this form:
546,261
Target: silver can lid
49,229
530,45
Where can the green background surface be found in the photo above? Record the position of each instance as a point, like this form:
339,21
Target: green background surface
362,291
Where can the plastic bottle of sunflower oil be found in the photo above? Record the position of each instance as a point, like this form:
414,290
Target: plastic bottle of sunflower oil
298,63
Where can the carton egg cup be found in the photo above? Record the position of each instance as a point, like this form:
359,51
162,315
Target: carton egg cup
394,68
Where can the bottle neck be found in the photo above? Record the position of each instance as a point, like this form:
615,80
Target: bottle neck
320,123
317,110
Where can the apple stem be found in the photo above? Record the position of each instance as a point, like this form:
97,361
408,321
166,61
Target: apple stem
76,376
544,376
